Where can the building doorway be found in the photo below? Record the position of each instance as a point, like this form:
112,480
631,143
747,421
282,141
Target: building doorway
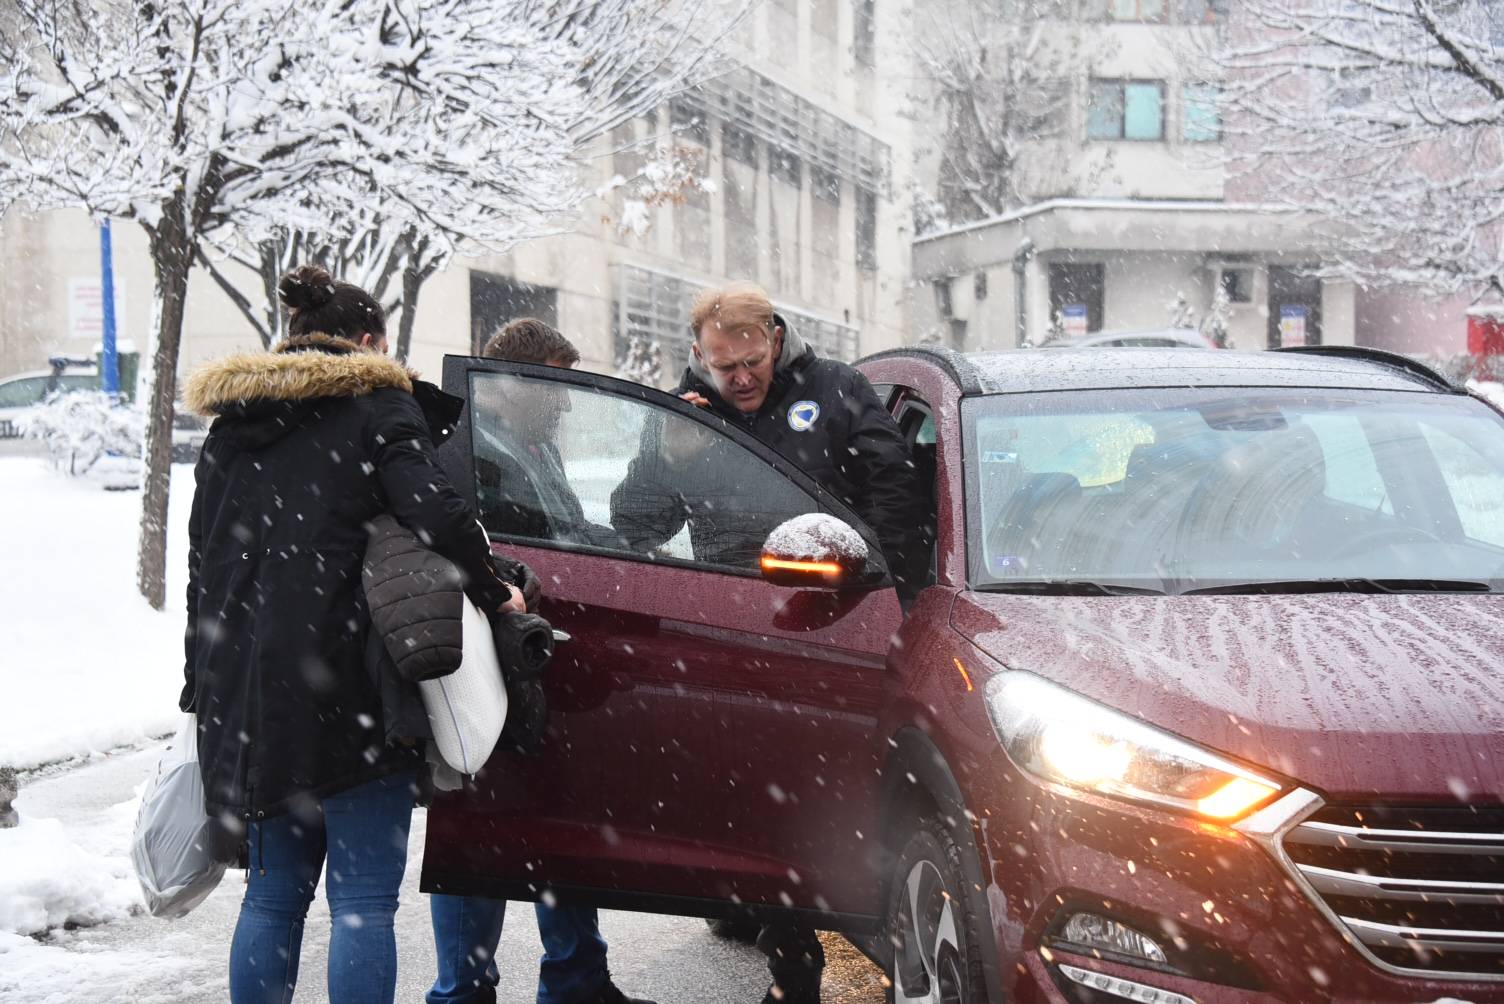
1077,291
1294,306
497,299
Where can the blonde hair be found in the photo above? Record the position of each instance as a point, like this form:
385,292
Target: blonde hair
735,307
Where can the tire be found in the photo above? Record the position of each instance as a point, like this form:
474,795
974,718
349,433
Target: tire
740,929
932,923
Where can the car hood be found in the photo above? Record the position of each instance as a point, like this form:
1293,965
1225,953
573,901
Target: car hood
1358,696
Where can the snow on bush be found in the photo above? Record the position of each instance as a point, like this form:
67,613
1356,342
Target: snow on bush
81,428
816,536
47,880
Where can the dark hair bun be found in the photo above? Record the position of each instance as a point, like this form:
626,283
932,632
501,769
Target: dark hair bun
307,287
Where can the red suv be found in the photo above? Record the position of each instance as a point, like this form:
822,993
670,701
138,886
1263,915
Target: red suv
1204,700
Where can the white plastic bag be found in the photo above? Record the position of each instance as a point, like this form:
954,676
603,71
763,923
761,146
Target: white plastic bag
178,850
468,708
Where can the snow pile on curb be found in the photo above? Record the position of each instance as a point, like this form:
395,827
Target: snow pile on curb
88,665
48,880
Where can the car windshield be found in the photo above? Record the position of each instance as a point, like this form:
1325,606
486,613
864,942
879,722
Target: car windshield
1181,490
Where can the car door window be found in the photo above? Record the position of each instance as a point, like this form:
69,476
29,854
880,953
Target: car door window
570,465
21,393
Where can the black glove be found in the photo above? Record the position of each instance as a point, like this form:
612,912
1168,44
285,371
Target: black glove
520,575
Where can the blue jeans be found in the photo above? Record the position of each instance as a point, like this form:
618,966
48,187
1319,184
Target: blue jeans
363,832
466,930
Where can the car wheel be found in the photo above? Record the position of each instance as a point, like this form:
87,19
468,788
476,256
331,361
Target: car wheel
932,924
735,930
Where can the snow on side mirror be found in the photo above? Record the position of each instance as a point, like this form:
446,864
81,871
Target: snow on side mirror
815,551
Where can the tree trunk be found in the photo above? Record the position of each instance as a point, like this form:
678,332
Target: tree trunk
171,258
412,283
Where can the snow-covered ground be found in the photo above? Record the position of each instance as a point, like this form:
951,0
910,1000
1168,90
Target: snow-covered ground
88,666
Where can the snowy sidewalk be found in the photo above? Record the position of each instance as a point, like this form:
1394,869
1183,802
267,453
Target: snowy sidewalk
144,960
87,665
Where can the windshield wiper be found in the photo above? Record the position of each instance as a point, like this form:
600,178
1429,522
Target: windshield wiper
1346,585
1067,587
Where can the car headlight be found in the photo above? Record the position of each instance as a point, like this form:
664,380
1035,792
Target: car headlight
1064,737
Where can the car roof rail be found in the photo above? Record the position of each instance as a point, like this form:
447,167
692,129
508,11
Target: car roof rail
955,365
1392,360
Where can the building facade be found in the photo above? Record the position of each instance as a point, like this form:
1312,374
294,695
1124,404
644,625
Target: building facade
1129,222
802,166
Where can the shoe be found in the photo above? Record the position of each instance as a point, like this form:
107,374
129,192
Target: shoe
609,993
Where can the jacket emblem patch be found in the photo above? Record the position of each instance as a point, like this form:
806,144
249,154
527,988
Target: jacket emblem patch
802,415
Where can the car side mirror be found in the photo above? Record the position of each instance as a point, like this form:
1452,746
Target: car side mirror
819,551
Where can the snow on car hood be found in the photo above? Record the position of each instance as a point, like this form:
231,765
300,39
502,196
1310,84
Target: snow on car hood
1400,696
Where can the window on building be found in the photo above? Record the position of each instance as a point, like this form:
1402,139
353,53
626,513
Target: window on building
497,299
1126,109
692,211
739,145
1201,11
1044,108
1077,292
864,41
739,191
1136,10
689,121
1350,89
1200,113
784,248
979,287
783,32
785,167
866,230
1237,283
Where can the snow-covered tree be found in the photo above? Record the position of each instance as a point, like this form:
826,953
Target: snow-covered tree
996,80
642,362
221,126
1385,118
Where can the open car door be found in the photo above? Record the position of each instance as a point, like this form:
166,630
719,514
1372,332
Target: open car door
712,735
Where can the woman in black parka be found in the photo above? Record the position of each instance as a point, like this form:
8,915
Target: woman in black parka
310,442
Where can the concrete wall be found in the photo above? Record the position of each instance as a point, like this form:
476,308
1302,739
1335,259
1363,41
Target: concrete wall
1405,320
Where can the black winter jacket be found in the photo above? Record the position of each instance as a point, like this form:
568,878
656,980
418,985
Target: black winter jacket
311,442
823,416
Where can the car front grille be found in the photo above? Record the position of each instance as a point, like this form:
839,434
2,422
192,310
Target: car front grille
1420,889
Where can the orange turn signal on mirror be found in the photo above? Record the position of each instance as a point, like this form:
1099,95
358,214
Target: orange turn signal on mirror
807,567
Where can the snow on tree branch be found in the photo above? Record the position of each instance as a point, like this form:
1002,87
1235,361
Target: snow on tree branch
1384,118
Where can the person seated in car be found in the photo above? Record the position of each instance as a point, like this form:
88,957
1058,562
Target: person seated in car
524,491
522,487
748,366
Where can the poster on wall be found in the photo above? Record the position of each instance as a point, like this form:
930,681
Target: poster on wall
1292,325
1073,319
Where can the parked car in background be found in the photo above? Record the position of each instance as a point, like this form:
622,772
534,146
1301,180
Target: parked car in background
188,434
27,390
1148,338
1203,702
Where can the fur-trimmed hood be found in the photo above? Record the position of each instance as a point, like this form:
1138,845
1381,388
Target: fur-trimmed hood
299,369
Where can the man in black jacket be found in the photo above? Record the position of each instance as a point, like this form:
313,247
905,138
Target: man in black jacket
751,368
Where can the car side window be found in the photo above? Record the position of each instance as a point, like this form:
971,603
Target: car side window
561,464
21,393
